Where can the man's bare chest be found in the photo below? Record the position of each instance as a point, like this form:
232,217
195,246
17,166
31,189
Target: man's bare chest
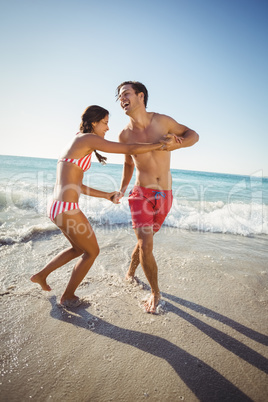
148,135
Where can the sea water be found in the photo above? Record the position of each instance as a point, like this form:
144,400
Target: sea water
205,202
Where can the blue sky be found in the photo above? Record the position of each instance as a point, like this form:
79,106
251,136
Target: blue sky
204,63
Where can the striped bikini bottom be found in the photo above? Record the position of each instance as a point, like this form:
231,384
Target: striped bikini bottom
58,207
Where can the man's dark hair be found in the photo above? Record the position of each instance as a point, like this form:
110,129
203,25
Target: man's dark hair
137,86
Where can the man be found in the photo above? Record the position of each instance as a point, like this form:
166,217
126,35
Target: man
151,198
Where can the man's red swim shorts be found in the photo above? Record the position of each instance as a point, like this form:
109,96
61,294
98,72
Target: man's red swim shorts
149,207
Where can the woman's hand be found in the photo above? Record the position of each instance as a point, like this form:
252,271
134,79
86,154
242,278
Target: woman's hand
114,197
170,142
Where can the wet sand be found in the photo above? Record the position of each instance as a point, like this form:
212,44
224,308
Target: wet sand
208,342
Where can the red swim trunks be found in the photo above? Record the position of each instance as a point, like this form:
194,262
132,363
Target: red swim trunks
149,207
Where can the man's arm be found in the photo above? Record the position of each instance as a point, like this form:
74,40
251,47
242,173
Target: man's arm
187,136
127,173
128,167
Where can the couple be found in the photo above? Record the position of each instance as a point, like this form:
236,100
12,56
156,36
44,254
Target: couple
146,142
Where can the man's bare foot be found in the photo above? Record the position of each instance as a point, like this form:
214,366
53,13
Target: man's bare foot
37,278
70,302
151,304
133,280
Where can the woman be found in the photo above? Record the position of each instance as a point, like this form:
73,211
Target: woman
65,212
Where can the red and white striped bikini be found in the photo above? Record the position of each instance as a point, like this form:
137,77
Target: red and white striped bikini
59,207
84,163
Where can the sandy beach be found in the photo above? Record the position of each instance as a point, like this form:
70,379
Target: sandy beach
208,342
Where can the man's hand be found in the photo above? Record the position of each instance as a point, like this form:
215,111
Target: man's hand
114,197
117,195
170,142
121,194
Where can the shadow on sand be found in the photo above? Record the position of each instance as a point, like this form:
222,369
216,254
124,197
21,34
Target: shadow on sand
205,382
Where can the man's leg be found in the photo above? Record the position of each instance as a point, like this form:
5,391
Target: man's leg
141,212
134,263
148,263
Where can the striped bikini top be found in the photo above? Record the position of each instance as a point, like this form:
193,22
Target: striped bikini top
84,163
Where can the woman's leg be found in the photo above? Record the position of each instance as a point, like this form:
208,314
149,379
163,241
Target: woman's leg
61,259
78,230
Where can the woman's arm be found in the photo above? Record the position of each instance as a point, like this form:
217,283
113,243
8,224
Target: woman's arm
92,192
100,144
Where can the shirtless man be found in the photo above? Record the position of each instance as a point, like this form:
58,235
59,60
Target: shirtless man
151,198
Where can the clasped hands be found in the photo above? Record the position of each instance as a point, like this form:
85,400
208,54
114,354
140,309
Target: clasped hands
170,142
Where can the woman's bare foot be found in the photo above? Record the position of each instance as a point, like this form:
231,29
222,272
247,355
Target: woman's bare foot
37,278
151,304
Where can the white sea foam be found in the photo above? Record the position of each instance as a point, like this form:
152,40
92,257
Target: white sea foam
27,220
234,218
204,202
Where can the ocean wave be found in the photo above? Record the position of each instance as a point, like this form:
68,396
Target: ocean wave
24,197
216,217
26,234
234,218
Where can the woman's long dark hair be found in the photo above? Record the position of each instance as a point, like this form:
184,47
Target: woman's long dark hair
93,114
